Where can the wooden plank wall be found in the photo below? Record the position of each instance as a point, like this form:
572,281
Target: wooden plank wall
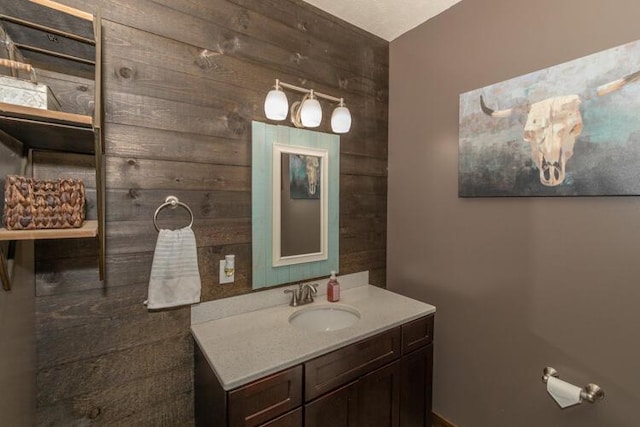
183,80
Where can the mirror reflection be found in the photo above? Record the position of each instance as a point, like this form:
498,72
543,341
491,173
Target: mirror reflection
300,204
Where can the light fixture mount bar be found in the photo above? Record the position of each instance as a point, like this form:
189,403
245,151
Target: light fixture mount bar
304,90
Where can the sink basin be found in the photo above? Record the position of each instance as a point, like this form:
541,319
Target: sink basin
325,318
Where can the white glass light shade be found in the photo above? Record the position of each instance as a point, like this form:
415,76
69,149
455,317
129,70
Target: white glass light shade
311,113
341,120
276,105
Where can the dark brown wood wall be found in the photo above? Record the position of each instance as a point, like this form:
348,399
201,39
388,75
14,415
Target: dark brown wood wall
183,80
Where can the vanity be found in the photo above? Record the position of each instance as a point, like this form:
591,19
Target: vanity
256,366
260,360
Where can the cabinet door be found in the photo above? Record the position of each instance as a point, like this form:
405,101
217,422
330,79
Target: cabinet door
290,419
415,395
335,409
378,396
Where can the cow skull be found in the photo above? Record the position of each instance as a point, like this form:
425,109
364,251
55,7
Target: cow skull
312,164
551,131
552,128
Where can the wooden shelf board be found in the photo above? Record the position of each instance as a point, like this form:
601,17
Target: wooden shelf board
89,229
45,116
48,129
66,9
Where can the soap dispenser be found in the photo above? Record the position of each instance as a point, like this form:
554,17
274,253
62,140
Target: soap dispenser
333,288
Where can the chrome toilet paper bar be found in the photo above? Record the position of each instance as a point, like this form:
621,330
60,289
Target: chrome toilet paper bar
591,392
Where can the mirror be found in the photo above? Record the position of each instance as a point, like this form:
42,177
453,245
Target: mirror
299,204
295,194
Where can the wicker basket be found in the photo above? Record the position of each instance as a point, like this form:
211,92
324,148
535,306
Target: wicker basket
32,204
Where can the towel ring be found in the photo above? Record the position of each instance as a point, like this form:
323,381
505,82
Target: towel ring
171,202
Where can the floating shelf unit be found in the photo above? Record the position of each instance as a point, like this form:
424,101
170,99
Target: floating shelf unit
55,37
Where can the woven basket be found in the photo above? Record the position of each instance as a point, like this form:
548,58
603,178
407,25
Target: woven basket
33,204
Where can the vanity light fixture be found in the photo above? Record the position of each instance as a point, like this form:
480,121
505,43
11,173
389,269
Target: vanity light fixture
276,105
341,118
307,112
310,111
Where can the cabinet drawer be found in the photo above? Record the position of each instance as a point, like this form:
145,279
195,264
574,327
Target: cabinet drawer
346,364
265,399
417,334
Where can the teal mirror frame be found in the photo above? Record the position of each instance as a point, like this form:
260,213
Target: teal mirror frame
263,138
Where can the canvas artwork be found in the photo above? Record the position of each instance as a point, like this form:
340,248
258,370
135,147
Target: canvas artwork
569,130
304,176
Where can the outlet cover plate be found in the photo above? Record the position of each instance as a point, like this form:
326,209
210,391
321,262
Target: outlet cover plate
223,277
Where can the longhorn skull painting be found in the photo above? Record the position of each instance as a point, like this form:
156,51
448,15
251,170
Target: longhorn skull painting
572,129
304,176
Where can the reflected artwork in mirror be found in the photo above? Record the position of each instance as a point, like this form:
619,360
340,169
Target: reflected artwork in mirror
299,204
295,186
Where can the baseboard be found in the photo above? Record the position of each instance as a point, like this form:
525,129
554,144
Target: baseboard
439,421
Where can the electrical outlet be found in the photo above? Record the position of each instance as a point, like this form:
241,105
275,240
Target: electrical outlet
227,269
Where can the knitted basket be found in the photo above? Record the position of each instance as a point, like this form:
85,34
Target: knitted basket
32,204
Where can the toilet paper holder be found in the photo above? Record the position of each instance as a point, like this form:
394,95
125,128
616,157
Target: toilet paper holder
591,392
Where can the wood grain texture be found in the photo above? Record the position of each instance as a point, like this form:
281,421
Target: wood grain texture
49,164
77,308
378,277
91,376
76,95
175,175
134,142
182,81
237,84
105,336
132,203
144,400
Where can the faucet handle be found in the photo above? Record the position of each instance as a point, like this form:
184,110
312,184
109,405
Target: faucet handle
309,290
294,296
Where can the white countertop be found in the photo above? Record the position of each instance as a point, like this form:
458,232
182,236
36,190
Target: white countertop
246,346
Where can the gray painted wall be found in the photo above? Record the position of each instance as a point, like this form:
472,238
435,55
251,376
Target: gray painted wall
520,283
17,319
18,343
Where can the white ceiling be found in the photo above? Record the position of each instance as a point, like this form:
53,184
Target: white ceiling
387,19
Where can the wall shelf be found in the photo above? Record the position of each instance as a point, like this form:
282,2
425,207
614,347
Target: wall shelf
48,130
88,230
54,37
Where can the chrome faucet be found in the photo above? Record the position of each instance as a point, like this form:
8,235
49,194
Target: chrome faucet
307,292
303,295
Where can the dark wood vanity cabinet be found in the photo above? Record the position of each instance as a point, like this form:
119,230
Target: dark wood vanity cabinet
260,403
416,373
384,381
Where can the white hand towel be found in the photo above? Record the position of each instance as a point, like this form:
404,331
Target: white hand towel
175,279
